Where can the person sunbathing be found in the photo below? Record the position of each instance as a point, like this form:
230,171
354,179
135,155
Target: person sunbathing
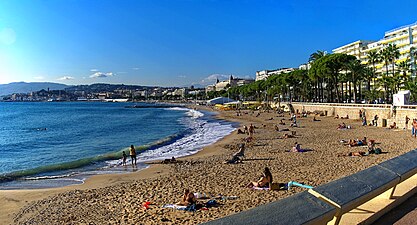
354,154
281,122
347,117
341,126
285,136
337,116
393,126
296,148
187,199
264,181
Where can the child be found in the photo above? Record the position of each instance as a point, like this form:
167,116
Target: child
124,158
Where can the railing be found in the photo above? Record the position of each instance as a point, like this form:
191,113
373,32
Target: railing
359,198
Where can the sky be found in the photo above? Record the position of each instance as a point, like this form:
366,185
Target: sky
179,42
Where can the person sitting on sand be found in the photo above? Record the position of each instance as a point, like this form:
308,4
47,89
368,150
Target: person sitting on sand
293,124
281,122
239,131
187,199
337,116
263,182
393,126
276,127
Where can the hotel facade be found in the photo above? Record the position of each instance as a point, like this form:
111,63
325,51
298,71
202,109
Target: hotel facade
404,37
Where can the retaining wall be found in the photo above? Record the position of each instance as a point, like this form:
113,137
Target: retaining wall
383,111
360,198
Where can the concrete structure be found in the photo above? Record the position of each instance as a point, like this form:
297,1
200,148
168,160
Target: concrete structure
357,48
360,198
264,74
231,82
404,37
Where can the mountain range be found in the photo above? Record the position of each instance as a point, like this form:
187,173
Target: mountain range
23,87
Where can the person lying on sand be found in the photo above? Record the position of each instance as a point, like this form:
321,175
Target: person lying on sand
188,198
239,131
347,117
264,181
342,126
296,148
285,136
353,143
171,160
354,154
337,116
314,119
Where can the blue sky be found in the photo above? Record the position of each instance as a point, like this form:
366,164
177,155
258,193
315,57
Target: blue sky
178,42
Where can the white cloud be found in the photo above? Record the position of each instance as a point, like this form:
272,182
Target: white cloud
101,75
94,70
66,78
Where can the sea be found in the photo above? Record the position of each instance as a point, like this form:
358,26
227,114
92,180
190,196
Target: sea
54,144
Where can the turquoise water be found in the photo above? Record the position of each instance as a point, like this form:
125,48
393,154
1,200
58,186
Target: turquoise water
46,144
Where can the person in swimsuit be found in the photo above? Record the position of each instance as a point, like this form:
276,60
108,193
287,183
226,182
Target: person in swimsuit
264,181
133,154
188,198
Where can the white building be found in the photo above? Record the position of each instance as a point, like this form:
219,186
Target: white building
264,74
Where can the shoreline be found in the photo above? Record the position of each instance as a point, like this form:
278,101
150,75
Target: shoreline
205,172
14,199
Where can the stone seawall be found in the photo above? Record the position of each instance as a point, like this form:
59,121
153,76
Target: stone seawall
385,113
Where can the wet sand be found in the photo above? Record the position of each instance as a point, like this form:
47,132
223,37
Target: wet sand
118,199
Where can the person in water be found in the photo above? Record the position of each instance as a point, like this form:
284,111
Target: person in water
124,158
133,155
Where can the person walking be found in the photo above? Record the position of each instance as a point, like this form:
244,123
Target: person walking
132,154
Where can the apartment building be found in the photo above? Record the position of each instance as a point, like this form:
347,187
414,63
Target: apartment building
357,48
264,74
404,37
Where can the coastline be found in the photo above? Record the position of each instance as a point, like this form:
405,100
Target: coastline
205,172
13,200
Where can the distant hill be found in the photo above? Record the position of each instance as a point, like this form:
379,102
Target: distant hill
23,87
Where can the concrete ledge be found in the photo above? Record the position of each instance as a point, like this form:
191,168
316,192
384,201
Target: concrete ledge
404,165
302,208
349,192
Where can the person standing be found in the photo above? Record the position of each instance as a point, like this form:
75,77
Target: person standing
133,154
124,158
406,122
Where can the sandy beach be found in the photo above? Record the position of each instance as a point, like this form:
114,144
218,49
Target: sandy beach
118,199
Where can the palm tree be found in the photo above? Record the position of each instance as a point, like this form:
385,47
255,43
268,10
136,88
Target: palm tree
318,90
394,54
404,68
356,73
373,57
386,57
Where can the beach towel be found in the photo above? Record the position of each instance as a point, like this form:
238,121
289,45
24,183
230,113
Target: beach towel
175,206
260,188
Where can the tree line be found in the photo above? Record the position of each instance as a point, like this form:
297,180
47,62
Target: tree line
335,78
